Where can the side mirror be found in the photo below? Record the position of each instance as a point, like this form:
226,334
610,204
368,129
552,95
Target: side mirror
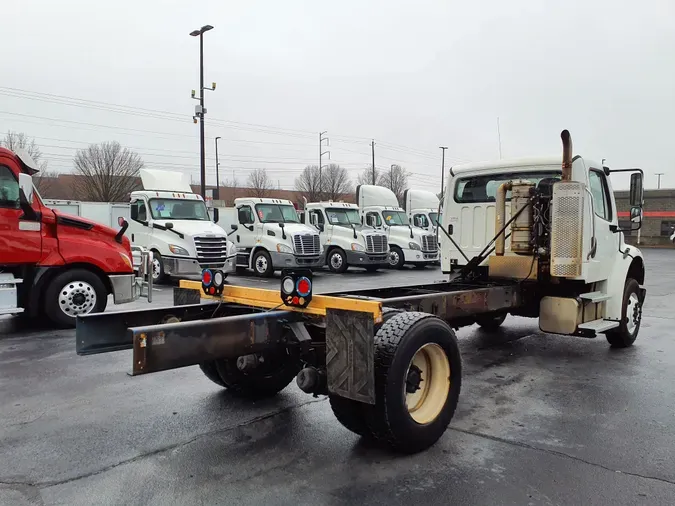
216,215
121,221
636,190
169,225
234,227
312,219
26,186
636,214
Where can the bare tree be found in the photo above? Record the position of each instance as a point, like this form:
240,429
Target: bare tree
396,179
335,182
108,172
366,177
259,183
44,179
307,183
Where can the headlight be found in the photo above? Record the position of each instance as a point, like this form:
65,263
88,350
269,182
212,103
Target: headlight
414,245
284,248
233,249
177,250
127,260
357,247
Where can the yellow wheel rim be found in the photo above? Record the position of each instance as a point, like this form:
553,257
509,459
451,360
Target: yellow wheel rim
427,383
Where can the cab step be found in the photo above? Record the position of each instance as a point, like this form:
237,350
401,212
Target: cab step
595,296
598,326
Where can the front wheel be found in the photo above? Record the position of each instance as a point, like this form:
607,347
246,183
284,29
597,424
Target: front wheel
396,258
631,316
418,371
262,264
337,261
158,274
74,293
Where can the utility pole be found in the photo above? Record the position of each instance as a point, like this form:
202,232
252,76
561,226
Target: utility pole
499,138
200,110
391,177
442,148
217,193
322,137
372,145
658,175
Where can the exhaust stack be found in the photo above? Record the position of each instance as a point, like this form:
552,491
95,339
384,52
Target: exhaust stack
567,155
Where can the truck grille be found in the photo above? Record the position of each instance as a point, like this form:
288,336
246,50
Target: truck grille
429,243
376,244
307,244
211,251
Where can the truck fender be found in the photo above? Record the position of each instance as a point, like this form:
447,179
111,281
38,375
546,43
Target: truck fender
628,265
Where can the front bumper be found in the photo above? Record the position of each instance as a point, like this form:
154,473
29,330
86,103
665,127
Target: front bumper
282,260
179,266
356,258
125,287
420,257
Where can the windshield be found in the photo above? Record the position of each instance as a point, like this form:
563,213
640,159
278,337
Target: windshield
435,218
394,218
275,213
178,209
345,217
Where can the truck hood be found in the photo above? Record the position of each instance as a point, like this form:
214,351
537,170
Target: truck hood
70,220
403,232
192,228
292,228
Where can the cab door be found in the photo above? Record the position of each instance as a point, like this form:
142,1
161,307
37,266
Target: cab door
607,242
20,235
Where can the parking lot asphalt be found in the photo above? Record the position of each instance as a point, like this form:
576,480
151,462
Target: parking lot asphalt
542,419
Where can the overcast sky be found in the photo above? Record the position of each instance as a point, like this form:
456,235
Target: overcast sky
411,75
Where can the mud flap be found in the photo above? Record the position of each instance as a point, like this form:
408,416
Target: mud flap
350,338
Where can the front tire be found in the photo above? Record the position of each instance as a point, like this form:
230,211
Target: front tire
418,373
396,258
262,264
631,317
73,293
337,261
158,274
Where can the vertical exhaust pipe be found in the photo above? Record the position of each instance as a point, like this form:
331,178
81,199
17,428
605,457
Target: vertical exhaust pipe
500,217
567,155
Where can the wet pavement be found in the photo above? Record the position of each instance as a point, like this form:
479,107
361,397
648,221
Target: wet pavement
542,419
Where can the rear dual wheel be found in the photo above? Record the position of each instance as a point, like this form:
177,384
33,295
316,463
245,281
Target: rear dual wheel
417,383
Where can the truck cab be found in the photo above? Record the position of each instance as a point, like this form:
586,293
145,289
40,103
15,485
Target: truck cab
555,225
407,244
422,208
173,223
52,264
345,239
269,236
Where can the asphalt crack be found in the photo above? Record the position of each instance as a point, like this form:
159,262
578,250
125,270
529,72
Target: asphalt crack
46,484
557,453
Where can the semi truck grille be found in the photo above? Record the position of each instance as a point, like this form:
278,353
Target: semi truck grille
307,244
211,251
376,244
429,243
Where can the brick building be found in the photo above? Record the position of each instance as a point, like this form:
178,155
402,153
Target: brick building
658,217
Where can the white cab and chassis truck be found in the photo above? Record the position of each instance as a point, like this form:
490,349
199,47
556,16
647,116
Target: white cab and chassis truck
388,358
269,236
407,244
347,242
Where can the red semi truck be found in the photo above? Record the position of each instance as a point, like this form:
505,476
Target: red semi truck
54,265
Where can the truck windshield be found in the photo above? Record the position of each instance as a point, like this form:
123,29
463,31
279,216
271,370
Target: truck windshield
178,209
484,188
394,218
345,217
435,218
275,213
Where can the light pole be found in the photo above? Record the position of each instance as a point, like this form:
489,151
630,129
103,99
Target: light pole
201,110
391,176
443,148
217,195
658,184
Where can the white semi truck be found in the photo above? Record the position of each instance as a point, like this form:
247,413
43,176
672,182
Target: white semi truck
270,237
407,244
422,208
173,223
347,242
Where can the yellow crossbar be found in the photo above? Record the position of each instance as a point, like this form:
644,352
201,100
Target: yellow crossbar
271,299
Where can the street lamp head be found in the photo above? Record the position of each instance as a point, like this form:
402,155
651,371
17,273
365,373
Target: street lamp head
217,138
195,33
206,28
